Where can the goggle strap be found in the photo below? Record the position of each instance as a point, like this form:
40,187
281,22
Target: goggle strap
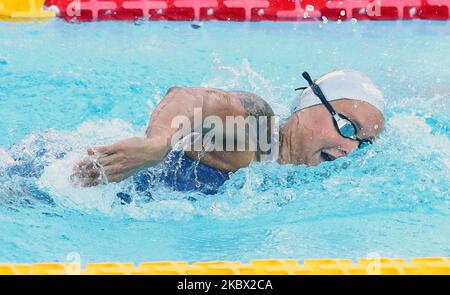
318,92
300,88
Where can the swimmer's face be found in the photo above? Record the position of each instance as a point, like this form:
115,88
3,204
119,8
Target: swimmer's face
317,140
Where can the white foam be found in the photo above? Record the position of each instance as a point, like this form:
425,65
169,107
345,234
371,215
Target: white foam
56,177
56,181
5,159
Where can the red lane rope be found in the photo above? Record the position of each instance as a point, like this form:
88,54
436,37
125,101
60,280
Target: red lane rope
251,10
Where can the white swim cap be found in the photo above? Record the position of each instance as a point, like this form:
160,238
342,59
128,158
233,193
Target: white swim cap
341,84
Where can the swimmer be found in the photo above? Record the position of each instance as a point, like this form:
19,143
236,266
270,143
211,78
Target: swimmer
332,116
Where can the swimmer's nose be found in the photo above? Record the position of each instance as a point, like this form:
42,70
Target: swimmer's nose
347,147
342,150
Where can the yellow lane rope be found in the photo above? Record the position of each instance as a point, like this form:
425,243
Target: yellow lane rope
382,266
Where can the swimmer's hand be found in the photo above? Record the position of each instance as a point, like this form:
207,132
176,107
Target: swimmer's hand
118,161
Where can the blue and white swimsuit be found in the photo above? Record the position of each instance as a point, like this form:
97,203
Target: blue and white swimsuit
181,173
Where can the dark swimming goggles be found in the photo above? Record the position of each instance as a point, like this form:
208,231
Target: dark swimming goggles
344,126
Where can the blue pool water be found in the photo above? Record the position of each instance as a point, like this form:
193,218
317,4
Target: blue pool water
67,86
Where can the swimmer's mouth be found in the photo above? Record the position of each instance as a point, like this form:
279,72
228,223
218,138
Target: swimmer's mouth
326,157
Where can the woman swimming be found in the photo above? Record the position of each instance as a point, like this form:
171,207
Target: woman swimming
332,116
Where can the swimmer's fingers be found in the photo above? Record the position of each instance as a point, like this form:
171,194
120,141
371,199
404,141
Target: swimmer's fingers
91,180
87,173
112,170
90,173
106,168
102,150
85,164
116,178
108,160
94,175
115,173
85,176
78,171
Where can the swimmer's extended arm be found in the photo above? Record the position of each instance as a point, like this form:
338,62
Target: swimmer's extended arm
124,158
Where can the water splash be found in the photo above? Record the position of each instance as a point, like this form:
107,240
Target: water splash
361,182
245,77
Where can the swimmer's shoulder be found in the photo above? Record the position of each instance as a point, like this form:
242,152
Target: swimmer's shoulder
253,104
